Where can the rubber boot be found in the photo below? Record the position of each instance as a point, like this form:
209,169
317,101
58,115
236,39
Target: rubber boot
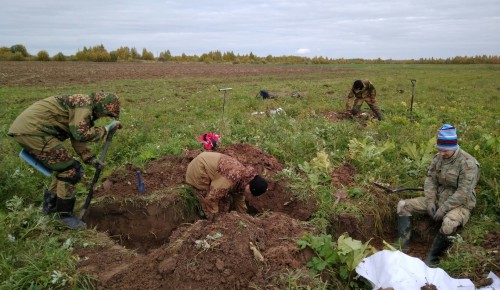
404,232
65,209
49,202
439,245
379,115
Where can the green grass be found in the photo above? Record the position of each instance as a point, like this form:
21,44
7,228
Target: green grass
165,116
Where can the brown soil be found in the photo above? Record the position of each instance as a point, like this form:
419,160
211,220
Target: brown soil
34,73
165,231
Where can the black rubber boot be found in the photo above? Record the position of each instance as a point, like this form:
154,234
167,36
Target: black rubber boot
49,202
439,245
404,232
65,209
379,115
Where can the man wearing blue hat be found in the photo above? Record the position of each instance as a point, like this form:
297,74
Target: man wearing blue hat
449,193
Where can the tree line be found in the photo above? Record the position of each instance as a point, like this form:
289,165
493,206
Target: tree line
99,53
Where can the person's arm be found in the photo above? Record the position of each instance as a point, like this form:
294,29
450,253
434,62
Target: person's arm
349,100
431,186
81,126
82,149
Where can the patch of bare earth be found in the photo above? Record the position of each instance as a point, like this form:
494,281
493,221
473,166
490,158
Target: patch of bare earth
53,73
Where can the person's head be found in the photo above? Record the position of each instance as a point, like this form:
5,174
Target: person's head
257,186
357,85
105,105
447,140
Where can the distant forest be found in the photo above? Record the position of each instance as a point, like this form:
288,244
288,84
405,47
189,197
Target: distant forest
99,53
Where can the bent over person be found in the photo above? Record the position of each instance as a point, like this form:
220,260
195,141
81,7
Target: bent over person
222,183
360,92
449,193
43,127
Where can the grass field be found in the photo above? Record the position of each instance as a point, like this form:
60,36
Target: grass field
164,116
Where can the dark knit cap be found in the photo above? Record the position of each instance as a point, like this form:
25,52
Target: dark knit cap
258,185
358,85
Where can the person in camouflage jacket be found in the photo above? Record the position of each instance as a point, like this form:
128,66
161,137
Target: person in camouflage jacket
43,127
449,193
222,183
362,91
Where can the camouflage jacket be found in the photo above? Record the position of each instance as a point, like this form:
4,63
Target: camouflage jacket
219,175
63,117
451,181
368,91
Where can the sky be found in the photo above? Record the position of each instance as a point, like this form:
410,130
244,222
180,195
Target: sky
387,29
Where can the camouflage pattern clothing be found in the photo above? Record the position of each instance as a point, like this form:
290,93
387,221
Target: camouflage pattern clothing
449,184
220,181
44,126
367,94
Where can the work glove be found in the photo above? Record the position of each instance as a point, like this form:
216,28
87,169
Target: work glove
438,216
113,125
431,208
98,164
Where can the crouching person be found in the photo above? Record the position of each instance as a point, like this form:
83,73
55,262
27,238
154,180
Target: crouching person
449,194
222,183
43,127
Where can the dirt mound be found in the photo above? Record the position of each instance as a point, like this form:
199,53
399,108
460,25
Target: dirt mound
181,251
162,242
237,251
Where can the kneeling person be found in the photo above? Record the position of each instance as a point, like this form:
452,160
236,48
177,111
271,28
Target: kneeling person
222,183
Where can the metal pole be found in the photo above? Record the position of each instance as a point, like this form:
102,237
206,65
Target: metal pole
412,96
224,102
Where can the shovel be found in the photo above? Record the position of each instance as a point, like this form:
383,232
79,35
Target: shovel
387,189
339,194
97,173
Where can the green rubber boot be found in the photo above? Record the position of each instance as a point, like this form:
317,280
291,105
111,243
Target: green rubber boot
404,233
439,245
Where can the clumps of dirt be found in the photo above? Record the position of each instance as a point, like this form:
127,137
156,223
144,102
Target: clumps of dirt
207,255
169,172
342,176
483,282
428,286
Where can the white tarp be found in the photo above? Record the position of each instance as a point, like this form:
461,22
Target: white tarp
402,272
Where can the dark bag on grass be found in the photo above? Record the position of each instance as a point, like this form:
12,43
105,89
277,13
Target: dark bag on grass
265,94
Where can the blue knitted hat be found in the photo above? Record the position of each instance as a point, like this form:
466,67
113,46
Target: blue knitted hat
447,138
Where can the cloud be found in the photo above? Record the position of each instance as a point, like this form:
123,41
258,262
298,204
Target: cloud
303,51
336,29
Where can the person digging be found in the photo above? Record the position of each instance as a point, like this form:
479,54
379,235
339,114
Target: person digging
360,92
449,194
41,130
222,183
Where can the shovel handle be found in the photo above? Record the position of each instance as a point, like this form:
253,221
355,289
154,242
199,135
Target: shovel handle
97,173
